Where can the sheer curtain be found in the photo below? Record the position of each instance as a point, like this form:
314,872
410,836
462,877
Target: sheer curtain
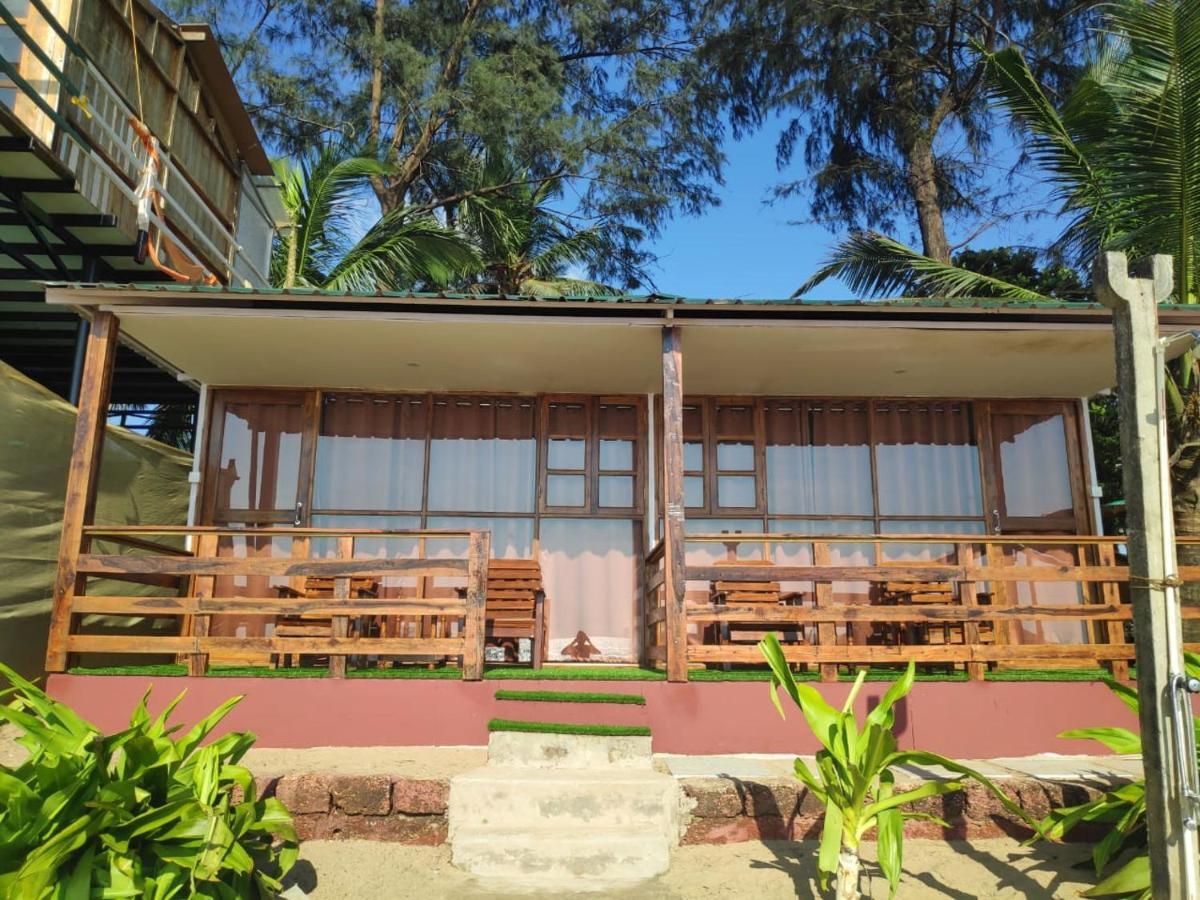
1034,467
821,469
927,463
482,457
370,453
589,575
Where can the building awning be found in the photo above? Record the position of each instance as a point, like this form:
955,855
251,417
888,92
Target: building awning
478,342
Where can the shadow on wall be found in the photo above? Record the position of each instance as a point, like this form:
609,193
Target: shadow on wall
141,481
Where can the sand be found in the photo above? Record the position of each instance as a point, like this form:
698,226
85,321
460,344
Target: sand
999,868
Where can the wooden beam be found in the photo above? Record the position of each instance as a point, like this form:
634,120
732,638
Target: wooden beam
83,476
202,588
672,449
475,625
340,625
281,566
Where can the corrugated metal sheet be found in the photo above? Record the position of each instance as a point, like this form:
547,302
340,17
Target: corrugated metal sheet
657,300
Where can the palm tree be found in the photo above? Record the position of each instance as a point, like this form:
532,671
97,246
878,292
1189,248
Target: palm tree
1123,152
403,248
525,245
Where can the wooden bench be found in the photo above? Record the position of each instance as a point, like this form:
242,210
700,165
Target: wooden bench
515,605
751,594
932,593
316,587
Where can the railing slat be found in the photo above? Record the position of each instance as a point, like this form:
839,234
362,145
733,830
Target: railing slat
284,567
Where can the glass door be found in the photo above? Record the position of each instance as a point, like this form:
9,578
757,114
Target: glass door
1033,465
259,472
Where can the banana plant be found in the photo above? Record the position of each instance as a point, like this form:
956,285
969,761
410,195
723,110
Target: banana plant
854,775
1124,808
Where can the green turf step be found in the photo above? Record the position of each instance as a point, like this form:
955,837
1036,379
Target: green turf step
571,697
563,728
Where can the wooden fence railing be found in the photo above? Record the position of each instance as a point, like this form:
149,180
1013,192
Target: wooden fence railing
979,595
204,581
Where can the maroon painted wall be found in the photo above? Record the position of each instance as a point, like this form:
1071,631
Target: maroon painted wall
956,719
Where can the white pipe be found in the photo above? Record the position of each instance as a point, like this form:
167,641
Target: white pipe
197,451
1093,475
651,524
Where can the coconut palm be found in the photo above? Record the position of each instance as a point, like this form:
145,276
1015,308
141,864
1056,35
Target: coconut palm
525,245
1123,153
324,194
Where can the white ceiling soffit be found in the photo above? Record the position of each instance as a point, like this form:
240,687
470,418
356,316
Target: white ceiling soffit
489,353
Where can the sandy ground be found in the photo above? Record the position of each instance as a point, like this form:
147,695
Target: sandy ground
366,870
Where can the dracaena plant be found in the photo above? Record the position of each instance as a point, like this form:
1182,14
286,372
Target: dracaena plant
854,775
141,813
1123,808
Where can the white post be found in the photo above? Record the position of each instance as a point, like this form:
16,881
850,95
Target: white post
1169,762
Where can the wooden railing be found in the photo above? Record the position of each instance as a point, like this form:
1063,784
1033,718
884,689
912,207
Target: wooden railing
194,563
989,589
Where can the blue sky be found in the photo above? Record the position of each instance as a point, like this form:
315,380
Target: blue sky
747,248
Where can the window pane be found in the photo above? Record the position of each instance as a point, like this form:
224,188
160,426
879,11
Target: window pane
935,551
564,490
818,459
736,491
693,491
375,548
735,457
616,491
742,544
1035,471
926,460
260,456
616,455
693,457
840,554
565,453
482,456
512,538
370,453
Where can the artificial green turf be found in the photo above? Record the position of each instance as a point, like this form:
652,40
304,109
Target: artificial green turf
561,728
571,697
580,673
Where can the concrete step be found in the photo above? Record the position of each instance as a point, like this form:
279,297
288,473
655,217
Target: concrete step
556,859
526,750
510,797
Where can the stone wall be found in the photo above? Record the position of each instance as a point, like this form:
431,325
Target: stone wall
715,810
729,810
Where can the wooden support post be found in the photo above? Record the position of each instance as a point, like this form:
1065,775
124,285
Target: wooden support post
475,627
965,557
823,590
673,539
1157,631
1110,594
340,625
202,589
83,477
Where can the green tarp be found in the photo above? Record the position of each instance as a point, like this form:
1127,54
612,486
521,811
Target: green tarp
141,481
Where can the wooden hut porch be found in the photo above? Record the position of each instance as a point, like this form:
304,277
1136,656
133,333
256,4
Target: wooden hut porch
875,482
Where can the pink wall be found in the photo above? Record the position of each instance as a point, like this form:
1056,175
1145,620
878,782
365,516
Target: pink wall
955,719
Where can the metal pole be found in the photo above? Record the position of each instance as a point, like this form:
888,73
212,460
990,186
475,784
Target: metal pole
1158,638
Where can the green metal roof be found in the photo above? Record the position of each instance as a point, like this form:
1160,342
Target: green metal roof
652,299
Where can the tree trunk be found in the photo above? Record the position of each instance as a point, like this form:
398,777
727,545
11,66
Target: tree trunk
846,887
922,182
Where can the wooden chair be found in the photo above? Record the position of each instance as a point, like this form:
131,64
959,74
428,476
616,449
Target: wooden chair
939,593
753,594
316,587
515,605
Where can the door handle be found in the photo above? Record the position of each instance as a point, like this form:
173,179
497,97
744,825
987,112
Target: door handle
995,521
299,515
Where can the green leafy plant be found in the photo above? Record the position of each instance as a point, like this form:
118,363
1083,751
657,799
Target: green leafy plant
1124,808
140,813
854,777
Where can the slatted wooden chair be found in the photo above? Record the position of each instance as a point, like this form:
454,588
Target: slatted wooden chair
515,605
932,593
755,595
316,587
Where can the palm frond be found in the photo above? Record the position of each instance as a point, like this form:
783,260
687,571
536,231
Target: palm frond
398,252
875,265
566,287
